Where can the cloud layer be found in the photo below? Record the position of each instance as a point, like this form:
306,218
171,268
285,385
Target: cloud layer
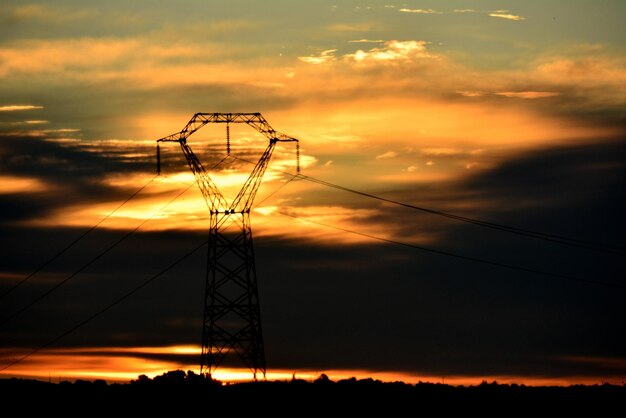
518,118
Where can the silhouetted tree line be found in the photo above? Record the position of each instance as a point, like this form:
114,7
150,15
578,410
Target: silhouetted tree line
177,389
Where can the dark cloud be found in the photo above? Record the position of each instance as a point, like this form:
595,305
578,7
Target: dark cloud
568,190
369,306
405,309
64,162
72,173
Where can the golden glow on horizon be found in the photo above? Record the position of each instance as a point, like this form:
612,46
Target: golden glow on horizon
108,363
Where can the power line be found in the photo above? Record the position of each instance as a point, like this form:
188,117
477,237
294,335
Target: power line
435,251
127,295
90,262
71,244
460,256
101,254
519,231
106,308
278,189
573,242
193,250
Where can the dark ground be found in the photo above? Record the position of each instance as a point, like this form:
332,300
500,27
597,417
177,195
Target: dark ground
182,394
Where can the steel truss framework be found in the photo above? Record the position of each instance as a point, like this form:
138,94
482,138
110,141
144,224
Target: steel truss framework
232,316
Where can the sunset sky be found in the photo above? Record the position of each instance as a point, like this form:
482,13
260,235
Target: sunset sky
511,112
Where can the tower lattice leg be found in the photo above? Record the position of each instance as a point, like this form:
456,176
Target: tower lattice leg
232,317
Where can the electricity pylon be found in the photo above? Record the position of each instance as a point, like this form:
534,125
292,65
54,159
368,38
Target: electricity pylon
232,317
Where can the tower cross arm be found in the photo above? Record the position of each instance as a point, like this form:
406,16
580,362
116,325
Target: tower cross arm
212,195
280,137
177,137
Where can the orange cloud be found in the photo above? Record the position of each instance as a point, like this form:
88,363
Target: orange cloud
323,57
15,108
356,106
420,11
11,184
393,51
388,154
527,94
42,13
104,59
366,41
503,14
599,78
355,27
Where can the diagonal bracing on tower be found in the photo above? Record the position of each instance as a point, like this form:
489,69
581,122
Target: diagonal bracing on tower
232,316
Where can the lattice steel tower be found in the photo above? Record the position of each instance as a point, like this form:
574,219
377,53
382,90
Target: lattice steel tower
232,317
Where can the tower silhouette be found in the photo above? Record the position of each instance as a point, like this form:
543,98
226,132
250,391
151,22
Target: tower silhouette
232,316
